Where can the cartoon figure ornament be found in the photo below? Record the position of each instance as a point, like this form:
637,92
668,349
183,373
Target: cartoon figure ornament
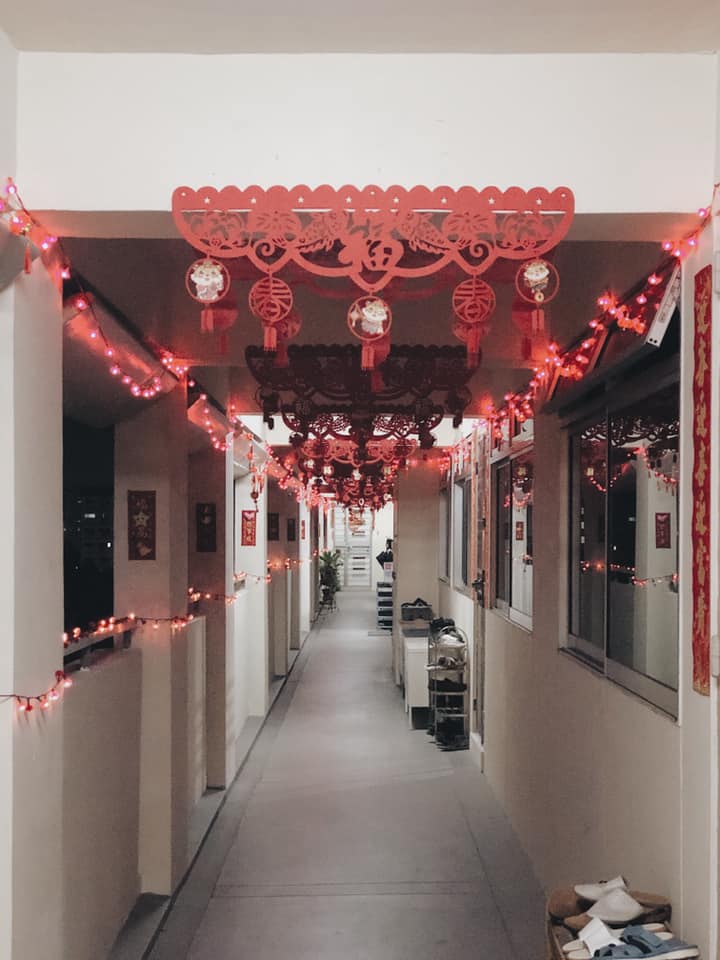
369,319
207,282
537,282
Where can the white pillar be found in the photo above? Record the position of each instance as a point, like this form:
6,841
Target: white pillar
211,482
151,455
31,595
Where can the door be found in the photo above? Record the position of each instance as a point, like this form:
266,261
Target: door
481,522
353,538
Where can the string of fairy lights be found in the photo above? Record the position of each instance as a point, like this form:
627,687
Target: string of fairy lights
628,314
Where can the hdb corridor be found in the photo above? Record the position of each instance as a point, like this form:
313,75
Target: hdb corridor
349,835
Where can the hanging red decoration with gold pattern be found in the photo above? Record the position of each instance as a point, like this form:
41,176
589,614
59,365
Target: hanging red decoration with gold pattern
473,303
208,281
271,301
369,319
537,282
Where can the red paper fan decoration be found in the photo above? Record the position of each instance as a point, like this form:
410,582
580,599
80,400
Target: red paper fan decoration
370,319
271,301
537,282
473,303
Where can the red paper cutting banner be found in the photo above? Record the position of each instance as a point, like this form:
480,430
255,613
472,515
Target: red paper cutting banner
249,527
702,387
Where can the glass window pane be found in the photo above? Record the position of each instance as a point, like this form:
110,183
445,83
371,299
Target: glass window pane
588,483
502,568
521,587
642,537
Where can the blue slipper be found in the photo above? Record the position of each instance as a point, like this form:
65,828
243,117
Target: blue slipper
651,945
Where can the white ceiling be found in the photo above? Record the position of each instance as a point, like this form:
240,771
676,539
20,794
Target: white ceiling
382,26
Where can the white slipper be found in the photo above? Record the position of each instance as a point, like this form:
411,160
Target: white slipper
595,935
616,907
593,891
584,953
579,944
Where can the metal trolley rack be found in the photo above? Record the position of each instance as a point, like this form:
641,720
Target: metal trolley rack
447,685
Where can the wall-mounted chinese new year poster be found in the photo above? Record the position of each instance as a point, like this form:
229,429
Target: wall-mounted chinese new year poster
302,529
141,525
702,389
248,527
662,531
205,527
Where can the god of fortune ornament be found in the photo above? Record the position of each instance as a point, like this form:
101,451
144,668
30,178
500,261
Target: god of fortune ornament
207,282
473,303
271,300
369,319
537,282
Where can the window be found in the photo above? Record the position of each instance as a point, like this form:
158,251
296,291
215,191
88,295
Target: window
624,545
461,532
513,483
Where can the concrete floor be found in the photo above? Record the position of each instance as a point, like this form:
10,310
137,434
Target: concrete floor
348,836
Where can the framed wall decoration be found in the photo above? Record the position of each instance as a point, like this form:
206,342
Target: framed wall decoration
248,526
291,529
273,527
662,531
142,523
205,527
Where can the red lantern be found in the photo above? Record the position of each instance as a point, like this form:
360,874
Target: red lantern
370,319
271,301
537,282
473,303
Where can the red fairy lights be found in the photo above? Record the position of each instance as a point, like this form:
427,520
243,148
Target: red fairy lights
26,703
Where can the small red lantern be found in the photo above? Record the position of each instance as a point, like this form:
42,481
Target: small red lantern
537,282
473,303
271,301
370,319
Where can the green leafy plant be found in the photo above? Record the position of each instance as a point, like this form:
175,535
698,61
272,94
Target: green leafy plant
330,563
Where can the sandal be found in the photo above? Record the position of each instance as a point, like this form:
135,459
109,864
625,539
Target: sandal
652,945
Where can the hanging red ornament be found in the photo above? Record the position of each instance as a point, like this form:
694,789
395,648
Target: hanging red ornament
271,301
537,282
473,303
287,329
207,281
369,319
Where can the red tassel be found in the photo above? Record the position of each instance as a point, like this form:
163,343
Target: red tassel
207,320
538,321
367,359
270,340
526,348
281,354
28,257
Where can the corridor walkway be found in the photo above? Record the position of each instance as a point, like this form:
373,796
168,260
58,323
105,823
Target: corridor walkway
348,836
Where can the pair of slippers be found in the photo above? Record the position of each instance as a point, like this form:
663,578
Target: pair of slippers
610,902
635,942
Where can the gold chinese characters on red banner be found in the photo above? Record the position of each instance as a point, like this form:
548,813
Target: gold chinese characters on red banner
141,525
249,528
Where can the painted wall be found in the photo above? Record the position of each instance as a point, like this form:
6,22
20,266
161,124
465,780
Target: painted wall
101,797
565,749
590,117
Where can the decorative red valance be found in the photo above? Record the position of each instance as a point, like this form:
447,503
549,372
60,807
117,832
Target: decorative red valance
372,235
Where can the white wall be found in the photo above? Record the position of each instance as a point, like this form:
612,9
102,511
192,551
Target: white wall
101,799
427,120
